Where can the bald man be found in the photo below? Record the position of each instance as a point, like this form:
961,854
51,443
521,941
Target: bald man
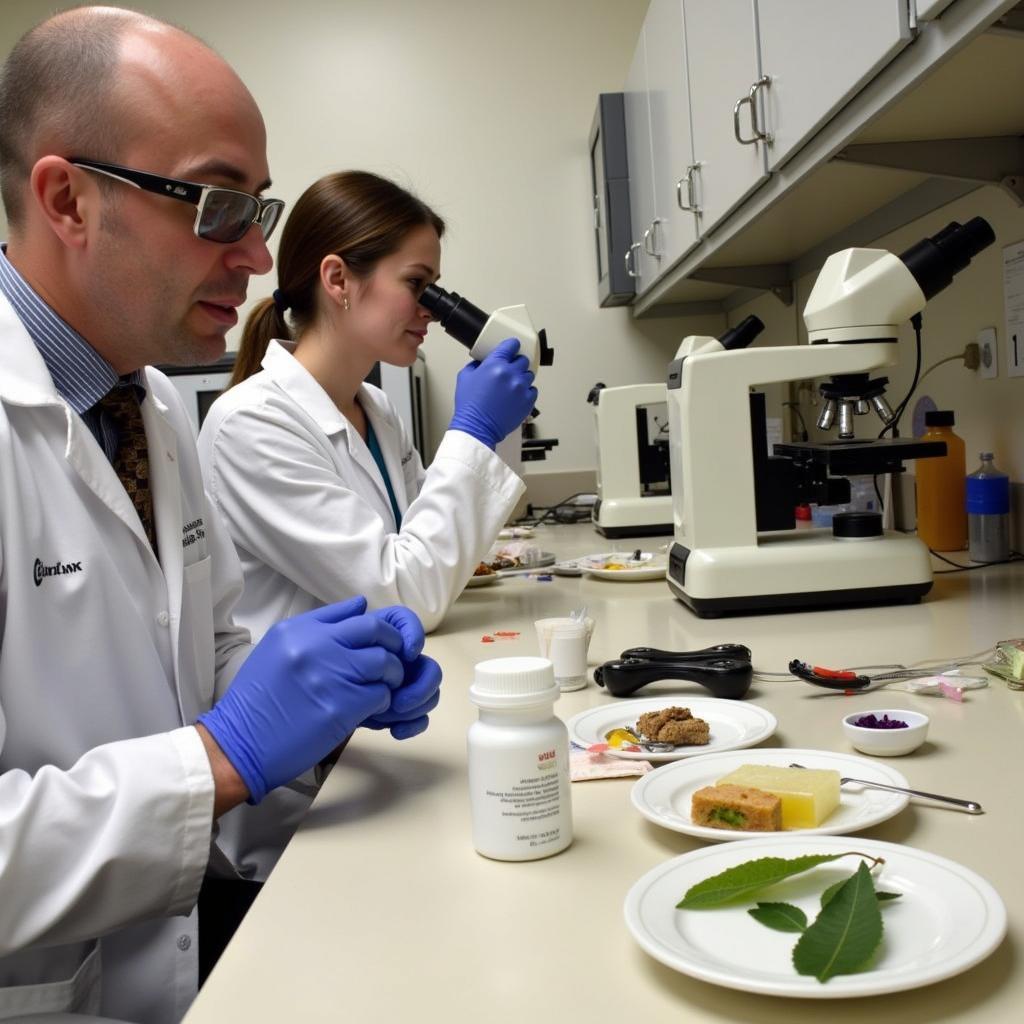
133,712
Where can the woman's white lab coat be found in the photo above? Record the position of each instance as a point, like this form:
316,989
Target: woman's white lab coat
106,655
307,509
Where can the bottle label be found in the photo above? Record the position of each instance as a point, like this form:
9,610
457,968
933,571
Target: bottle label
521,813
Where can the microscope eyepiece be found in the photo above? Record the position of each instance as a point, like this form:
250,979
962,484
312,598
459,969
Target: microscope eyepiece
458,316
742,334
933,261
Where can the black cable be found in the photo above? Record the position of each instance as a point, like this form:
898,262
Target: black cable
550,510
894,423
1015,556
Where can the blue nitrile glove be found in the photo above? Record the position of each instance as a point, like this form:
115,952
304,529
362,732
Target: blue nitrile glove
412,701
309,683
494,396
418,695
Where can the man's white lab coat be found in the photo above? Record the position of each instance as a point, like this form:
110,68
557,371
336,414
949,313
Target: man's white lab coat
106,656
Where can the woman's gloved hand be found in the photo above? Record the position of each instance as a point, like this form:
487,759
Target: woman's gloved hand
495,395
311,682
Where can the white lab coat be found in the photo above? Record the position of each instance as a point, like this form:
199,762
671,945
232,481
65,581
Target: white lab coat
106,655
308,512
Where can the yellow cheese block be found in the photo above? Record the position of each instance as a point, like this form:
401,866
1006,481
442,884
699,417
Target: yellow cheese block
809,795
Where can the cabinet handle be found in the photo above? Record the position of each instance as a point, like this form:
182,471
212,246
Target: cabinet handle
690,206
759,130
630,262
597,213
759,134
651,239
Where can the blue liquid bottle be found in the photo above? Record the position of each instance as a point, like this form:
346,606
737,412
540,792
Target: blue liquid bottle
988,513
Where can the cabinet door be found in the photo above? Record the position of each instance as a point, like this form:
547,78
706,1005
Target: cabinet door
723,64
818,53
672,148
641,172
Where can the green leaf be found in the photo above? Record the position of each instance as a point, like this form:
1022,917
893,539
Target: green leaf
845,933
783,917
743,879
882,897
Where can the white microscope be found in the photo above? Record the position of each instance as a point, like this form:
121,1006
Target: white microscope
481,333
634,495
736,546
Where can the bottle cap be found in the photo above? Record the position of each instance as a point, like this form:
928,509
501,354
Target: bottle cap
513,683
938,418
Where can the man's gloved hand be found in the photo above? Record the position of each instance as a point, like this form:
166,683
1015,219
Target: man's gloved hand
412,701
418,695
311,682
494,396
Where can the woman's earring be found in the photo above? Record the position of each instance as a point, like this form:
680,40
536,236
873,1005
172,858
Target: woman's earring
346,304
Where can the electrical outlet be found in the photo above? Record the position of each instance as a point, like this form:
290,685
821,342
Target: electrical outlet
988,352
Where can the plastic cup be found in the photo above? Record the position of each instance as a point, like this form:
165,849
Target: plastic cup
564,642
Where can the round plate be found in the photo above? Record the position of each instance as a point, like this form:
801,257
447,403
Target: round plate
946,920
733,724
664,796
648,566
483,581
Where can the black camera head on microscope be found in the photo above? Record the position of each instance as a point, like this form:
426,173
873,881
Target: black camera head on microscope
458,316
934,261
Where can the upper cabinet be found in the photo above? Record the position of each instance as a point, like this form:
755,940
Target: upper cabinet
815,54
733,106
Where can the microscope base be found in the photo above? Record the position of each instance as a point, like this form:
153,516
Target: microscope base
800,569
633,517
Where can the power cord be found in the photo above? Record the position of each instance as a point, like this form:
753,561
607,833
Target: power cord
1015,556
894,423
550,513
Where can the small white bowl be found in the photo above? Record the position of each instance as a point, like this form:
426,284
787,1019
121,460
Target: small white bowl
887,742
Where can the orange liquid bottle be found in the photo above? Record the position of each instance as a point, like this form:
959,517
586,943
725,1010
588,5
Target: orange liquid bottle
941,500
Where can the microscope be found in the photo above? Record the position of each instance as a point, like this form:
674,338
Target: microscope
737,548
481,333
634,492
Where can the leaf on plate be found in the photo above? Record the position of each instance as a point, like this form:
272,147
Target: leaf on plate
748,877
882,897
846,932
782,917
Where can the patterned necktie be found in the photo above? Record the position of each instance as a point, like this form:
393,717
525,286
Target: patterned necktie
131,461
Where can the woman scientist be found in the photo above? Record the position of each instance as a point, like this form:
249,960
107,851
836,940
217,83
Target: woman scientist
311,468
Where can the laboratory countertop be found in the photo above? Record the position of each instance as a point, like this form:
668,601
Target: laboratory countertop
381,910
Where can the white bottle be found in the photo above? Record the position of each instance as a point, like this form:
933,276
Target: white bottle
518,761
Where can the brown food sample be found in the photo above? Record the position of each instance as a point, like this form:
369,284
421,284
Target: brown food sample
483,569
674,725
693,732
740,808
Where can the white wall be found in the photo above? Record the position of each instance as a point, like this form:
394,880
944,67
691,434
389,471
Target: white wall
481,106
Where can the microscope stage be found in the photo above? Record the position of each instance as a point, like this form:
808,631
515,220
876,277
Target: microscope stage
858,458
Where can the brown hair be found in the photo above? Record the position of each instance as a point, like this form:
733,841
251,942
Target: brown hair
356,215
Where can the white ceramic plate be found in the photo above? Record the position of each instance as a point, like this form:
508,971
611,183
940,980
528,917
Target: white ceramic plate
539,560
648,566
733,724
664,796
483,581
946,920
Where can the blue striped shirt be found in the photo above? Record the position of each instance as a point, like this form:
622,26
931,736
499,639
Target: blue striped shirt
80,374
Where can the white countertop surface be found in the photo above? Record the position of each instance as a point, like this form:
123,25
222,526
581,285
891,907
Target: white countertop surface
381,910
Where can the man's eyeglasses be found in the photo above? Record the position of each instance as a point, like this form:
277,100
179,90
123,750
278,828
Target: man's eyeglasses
223,214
